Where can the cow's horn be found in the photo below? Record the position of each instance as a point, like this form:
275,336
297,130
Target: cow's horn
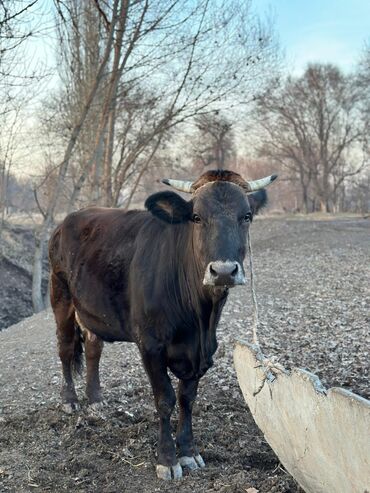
255,185
180,185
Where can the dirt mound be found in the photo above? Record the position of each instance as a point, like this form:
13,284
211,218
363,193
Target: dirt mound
16,258
16,287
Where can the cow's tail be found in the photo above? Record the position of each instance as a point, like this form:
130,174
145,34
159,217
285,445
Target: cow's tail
77,362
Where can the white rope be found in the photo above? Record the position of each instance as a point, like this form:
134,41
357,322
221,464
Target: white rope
270,366
253,292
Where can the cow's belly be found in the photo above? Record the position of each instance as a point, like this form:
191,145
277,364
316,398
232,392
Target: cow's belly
101,309
109,328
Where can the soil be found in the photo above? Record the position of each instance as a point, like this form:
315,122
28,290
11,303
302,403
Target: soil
17,245
312,280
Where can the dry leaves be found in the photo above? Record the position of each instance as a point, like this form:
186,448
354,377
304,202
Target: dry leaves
313,292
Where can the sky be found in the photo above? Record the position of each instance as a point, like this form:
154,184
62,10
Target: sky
308,30
320,31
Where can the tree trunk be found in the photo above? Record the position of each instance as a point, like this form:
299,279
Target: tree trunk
38,303
3,188
108,157
305,199
37,300
47,295
304,188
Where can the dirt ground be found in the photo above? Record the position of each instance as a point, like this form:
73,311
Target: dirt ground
314,297
17,245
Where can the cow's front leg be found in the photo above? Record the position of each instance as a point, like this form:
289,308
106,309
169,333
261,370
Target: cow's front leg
189,455
165,400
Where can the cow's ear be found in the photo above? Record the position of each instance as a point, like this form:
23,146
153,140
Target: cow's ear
257,200
169,207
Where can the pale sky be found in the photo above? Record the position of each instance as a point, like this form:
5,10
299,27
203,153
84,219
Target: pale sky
320,31
309,30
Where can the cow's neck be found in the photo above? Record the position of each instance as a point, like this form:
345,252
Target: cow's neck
207,302
207,329
190,272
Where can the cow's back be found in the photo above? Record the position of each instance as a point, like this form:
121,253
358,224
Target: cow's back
91,251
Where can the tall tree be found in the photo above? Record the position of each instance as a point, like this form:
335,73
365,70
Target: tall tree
363,77
15,77
312,127
118,14
214,144
157,64
187,70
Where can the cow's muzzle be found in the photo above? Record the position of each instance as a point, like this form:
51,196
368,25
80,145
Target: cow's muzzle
224,273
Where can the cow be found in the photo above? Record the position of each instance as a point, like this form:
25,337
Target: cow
159,278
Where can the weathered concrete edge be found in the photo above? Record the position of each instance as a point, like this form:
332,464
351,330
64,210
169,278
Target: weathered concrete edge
314,379
302,444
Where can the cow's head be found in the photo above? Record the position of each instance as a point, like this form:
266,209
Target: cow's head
219,214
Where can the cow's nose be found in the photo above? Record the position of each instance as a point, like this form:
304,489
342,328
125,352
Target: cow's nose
223,273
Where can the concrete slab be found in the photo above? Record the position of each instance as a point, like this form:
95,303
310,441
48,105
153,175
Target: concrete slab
321,437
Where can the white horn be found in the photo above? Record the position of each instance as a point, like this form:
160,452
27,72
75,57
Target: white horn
180,185
262,183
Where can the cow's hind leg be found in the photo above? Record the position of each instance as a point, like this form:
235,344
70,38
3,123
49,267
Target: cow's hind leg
165,400
93,351
69,340
188,453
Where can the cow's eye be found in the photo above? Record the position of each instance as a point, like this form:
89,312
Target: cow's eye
247,218
196,219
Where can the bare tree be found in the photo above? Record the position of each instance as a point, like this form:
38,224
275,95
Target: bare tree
118,14
14,31
363,77
214,142
312,127
175,54
8,144
15,77
179,77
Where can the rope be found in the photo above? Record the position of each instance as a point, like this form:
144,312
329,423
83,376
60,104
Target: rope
253,292
270,366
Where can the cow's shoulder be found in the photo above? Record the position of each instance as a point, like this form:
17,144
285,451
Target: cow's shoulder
95,234
94,223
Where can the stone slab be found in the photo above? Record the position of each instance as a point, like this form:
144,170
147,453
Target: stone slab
322,437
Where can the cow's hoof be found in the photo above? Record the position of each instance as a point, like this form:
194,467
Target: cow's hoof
71,407
192,463
169,472
97,406
97,409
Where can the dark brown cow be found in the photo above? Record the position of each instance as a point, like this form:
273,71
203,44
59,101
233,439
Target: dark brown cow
158,278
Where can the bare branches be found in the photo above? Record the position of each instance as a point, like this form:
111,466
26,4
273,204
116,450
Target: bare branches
133,71
169,52
12,15
214,144
103,15
311,125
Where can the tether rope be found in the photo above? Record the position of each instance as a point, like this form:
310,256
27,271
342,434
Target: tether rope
270,366
254,297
